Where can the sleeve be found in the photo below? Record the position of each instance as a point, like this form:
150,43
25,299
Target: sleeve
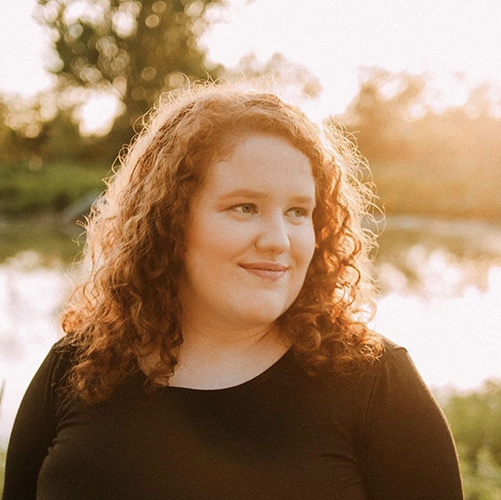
409,450
33,431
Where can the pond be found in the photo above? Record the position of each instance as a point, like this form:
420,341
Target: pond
440,297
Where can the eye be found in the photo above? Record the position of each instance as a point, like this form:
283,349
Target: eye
245,208
298,213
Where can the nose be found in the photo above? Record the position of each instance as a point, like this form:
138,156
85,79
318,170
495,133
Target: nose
273,235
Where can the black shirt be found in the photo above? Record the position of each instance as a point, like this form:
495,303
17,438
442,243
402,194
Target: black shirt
283,435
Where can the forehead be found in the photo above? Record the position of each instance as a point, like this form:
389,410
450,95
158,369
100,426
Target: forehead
261,161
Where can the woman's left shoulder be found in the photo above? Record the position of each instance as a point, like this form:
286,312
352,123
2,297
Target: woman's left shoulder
391,353
393,381
390,373
408,448
394,359
393,365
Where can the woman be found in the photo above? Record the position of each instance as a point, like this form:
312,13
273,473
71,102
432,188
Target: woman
218,347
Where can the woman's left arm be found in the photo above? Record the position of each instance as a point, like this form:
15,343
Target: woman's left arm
408,447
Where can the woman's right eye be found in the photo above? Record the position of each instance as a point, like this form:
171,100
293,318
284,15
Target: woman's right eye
245,208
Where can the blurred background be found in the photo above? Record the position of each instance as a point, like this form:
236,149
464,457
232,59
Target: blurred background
416,84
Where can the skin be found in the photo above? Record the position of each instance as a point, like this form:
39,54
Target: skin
250,242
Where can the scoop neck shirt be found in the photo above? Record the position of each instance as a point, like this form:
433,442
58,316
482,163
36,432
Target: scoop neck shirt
281,435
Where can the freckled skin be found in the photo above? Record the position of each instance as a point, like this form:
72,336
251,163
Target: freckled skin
250,237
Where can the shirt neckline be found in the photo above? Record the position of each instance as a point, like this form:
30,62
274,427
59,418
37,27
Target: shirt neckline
261,377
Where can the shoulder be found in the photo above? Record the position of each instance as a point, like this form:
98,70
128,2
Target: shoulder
358,387
391,373
57,364
383,379
63,352
395,390
393,356
47,385
395,362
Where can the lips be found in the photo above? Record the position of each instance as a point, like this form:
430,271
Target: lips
270,271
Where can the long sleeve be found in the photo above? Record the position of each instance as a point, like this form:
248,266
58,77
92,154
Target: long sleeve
409,449
33,431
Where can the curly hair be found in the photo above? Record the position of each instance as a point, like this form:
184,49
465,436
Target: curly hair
128,301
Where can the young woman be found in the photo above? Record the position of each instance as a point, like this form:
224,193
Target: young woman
218,346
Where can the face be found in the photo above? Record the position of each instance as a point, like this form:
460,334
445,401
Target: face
250,238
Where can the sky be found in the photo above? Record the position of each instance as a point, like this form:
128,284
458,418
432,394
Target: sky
332,38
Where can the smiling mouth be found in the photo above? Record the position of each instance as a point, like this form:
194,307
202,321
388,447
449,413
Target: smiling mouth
268,271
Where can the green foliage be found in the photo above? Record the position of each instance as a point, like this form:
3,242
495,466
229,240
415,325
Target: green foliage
132,49
14,145
128,50
62,141
35,128
46,239
481,481
50,188
475,418
475,423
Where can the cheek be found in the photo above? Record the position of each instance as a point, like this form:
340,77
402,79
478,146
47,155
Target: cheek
305,245
213,239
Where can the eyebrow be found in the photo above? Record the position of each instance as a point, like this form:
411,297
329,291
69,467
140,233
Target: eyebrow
248,193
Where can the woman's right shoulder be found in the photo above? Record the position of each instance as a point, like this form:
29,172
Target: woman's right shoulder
64,349
59,361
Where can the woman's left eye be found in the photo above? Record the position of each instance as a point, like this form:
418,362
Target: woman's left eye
298,213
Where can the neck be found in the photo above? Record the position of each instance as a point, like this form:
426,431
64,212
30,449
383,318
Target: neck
215,358
213,335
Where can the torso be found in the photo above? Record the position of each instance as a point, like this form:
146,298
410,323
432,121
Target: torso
377,435
280,435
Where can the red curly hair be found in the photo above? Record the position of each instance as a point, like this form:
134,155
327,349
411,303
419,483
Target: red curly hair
128,301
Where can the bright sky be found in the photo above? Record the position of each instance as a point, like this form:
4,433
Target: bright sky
333,38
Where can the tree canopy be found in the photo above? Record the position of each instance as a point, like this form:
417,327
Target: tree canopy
133,50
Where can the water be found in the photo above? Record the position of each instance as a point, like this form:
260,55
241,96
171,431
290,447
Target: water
440,297
441,283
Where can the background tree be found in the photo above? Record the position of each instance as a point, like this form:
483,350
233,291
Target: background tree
288,74
6,136
129,49
385,103
428,158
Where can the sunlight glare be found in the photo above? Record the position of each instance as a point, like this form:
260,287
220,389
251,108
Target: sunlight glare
23,50
97,114
334,39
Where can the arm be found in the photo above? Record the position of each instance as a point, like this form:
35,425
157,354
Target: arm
33,431
410,452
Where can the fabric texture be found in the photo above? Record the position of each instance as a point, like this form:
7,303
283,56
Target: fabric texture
283,435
